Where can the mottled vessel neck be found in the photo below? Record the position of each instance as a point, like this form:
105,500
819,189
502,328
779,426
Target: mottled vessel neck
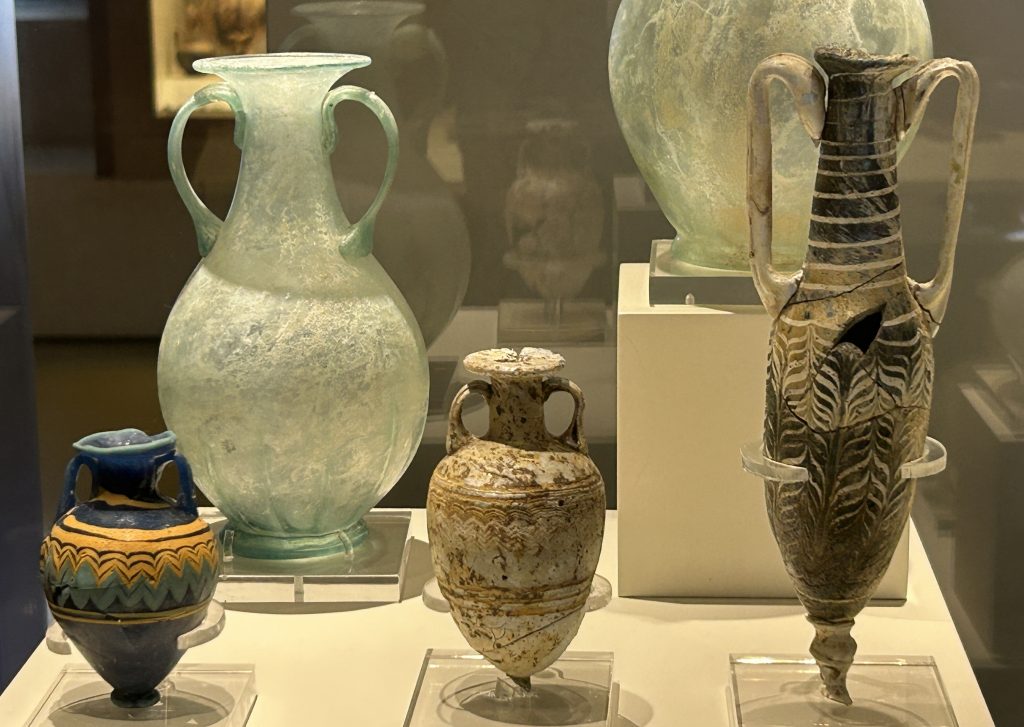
855,231
517,394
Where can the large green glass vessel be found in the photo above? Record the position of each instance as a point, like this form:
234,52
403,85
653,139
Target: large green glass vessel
679,71
290,367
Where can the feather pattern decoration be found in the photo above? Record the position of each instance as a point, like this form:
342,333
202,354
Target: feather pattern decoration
850,363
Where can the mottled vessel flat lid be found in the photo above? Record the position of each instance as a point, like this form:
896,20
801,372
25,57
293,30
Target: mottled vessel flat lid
509,362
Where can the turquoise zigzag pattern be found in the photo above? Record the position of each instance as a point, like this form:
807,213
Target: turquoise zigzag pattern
70,588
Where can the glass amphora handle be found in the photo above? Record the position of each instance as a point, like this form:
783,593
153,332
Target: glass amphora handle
573,434
358,239
186,499
807,87
458,436
206,222
915,92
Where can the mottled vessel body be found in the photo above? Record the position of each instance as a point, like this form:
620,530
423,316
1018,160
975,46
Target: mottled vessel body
128,571
516,518
851,364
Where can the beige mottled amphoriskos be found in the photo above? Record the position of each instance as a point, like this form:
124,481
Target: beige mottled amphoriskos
516,517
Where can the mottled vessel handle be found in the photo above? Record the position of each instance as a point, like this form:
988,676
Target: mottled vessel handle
808,89
206,222
915,92
68,499
358,239
573,434
187,485
458,435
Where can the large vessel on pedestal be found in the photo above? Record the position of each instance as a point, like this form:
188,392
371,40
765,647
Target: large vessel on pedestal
851,364
515,517
677,72
290,367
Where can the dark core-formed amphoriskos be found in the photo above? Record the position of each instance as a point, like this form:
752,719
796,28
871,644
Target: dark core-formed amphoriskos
128,571
851,366
516,517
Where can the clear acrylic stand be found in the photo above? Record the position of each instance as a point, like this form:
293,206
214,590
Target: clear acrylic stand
754,461
672,282
600,595
458,688
192,695
888,691
370,573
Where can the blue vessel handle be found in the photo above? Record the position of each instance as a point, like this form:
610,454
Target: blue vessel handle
358,239
187,498
68,500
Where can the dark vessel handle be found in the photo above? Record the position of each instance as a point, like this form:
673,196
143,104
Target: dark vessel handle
68,499
458,435
807,87
573,434
187,499
915,93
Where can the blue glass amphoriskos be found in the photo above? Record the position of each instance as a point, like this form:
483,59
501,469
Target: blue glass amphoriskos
128,571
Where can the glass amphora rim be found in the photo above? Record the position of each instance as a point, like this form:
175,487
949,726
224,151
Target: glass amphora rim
264,62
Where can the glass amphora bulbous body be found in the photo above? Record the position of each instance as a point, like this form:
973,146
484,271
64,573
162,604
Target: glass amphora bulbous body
678,72
291,366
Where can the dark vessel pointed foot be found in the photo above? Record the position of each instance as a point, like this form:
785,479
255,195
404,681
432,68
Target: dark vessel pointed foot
522,682
134,700
833,648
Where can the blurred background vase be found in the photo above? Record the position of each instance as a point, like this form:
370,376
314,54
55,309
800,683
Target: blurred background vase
679,72
554,218
290,367
421,235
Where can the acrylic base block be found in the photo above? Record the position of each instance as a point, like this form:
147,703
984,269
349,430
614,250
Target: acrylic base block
372,572
535,322
194,695
887,691
461,689
672,280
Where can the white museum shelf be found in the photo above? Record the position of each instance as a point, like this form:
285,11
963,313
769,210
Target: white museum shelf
359,665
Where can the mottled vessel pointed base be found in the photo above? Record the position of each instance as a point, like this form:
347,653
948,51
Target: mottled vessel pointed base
833,648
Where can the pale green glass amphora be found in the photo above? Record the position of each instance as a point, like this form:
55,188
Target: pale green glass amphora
290,368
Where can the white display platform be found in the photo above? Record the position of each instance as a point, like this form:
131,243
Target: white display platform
331,665
690,393
459,688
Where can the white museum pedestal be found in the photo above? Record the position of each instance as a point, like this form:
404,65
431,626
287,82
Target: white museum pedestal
326,664
690,383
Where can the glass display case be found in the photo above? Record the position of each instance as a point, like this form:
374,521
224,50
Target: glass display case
514,204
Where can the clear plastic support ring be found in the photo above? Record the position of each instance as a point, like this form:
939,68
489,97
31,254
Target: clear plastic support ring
754,461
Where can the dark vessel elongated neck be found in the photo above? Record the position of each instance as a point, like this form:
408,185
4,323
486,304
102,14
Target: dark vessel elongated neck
854,236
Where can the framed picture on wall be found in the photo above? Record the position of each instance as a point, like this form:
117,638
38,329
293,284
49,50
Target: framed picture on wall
182,31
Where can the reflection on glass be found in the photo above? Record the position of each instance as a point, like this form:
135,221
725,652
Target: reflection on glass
420,237
554,217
